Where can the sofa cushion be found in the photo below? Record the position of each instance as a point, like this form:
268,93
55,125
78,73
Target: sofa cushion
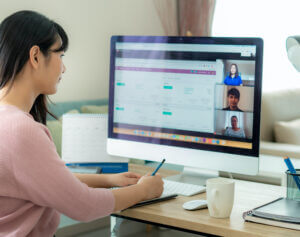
287,131
94,109
278,106
279,149
73,111
61,108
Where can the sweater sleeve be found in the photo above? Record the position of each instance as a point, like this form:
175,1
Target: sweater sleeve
43,178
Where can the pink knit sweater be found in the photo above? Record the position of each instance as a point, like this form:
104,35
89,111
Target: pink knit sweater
35,185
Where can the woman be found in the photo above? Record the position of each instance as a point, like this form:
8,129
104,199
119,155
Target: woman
234,131
35,184
233,79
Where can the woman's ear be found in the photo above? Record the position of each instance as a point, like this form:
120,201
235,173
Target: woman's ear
34,56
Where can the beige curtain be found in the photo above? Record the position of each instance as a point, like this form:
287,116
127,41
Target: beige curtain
167,12
186,17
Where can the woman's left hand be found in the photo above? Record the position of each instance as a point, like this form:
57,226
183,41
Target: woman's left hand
124,179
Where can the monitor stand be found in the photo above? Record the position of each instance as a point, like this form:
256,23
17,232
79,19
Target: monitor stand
194,176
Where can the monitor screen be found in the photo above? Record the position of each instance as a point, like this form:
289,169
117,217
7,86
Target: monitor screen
201,93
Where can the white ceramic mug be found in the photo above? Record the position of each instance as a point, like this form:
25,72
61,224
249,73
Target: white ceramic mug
220,197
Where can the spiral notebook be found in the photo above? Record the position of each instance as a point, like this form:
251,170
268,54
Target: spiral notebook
84,139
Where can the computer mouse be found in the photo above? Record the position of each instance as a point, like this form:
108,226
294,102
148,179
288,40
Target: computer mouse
194,205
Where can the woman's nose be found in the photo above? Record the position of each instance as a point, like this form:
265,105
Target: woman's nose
64,68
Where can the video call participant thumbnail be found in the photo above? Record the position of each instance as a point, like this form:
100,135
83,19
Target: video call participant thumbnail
234,131
233,97
233,78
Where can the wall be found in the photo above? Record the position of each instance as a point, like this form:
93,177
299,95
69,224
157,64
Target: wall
89,25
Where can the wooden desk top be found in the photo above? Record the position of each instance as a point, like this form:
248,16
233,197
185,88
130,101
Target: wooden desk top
247,196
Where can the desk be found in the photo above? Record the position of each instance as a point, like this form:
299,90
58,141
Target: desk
247,196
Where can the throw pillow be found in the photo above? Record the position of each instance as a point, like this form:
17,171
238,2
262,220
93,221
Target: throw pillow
287,131
73,111
94,109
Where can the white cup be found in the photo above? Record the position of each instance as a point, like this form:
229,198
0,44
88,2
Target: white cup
220,197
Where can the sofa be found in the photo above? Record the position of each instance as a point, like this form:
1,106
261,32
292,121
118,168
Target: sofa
280,123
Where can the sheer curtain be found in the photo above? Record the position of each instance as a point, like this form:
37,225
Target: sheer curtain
273,21
186,17
167,12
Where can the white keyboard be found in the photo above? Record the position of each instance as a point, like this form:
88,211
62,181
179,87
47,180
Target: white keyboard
182,189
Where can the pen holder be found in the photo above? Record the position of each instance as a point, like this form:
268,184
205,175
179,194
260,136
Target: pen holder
292,189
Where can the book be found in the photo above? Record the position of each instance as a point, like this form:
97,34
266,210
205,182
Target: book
281,212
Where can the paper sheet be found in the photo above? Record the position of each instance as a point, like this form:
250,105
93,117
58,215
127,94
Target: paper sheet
84,139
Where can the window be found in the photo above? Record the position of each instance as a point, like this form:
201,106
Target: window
273,21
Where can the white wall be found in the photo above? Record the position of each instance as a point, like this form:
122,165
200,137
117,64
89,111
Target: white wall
89,25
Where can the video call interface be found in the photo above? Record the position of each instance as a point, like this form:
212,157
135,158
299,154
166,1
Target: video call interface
185,93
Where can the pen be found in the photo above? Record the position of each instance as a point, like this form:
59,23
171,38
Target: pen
292,170
154,172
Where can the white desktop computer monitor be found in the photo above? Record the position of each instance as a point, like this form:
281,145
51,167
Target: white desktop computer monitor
194,101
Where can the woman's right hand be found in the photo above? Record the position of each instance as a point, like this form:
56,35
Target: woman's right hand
148,187
152,185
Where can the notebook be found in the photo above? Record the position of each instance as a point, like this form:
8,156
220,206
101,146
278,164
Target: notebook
281,212
163,197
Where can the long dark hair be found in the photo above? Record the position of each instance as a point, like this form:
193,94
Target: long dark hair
236,72
19,32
